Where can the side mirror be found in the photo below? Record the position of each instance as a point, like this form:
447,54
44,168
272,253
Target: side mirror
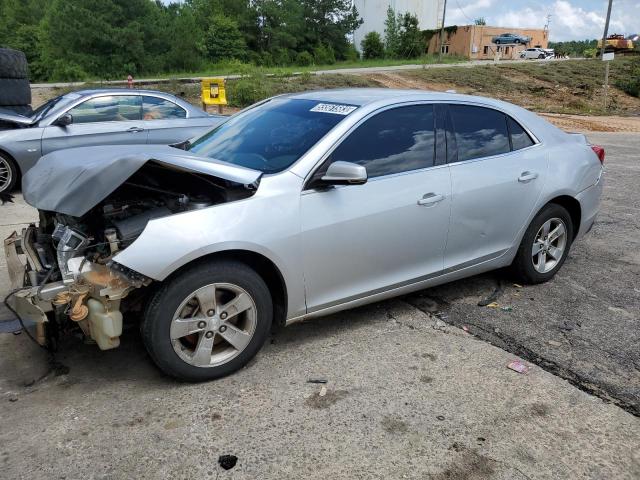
64,120
345,173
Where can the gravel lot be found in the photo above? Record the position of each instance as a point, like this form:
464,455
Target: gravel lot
408,396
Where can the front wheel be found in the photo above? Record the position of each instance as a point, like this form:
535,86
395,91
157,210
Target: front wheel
545,245
541,57
208,321
8,174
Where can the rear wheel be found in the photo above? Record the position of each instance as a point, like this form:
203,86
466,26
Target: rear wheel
208,321
545,245
8,174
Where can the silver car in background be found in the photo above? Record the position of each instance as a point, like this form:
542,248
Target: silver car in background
95,117
300,206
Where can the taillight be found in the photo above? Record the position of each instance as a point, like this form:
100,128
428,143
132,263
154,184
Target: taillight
599,151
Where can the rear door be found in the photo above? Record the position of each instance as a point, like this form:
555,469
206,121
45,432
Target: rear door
103,120
360,240
167,121
497,175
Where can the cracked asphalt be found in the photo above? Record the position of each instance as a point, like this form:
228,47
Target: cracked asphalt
584,325
408,393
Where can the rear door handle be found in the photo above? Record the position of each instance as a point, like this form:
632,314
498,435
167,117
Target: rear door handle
527,177
135,130
430,199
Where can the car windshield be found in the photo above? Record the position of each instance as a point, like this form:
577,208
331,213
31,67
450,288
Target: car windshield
272,136
46,107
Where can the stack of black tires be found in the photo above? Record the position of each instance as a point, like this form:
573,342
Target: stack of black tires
15,92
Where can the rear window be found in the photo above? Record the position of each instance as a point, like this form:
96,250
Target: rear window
480,132
272,136
155,108
519,138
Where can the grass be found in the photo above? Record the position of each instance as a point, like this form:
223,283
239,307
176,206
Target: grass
238,68
235,67
556,87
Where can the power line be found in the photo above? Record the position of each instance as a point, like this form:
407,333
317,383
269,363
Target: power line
460,8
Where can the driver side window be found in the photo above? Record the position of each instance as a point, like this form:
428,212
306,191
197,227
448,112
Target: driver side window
394,141
108,108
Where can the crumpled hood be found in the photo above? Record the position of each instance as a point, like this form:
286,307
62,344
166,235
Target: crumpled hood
73,181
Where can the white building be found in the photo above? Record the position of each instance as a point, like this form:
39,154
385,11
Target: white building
374,13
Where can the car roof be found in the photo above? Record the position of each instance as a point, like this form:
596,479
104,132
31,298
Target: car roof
97,91
390,96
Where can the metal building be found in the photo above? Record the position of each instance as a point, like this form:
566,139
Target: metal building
374,13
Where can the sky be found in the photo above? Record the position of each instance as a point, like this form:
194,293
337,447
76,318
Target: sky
570,19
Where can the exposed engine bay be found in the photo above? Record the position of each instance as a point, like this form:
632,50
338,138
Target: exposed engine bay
71,277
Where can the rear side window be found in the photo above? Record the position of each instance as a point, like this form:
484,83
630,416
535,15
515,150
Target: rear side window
480,132
154,108
519,138
394,141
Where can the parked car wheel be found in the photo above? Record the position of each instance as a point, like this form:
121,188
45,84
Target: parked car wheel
545,245
8,174
541,56
208,321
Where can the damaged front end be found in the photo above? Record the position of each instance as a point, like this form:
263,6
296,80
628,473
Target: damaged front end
59,282
64,270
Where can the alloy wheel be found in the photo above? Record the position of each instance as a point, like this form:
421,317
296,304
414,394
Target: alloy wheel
6,174
549,245
213,325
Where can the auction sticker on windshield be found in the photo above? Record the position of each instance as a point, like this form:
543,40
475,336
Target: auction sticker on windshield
333,108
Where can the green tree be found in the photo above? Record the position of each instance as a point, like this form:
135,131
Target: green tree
187,48
19,29
328,22
323,55
411,42
223,39
391,34
104,38
372,46
480,21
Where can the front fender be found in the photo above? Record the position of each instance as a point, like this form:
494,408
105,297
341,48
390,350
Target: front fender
267,223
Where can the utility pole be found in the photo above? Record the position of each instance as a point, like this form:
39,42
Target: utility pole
606,30
444,10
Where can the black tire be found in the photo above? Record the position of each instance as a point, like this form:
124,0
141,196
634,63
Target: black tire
9,174
523,267
15,91
13,64
166,300
541,56
24,110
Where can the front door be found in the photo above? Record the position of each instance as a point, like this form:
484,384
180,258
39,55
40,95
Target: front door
359,240
104,120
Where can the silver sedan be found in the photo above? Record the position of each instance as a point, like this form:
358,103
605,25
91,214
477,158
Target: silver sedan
300,206
95,117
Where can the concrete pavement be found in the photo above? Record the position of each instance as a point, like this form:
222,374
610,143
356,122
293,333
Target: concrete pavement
408,396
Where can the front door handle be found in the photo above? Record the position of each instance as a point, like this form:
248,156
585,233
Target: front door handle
527,177
135,130
430,199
